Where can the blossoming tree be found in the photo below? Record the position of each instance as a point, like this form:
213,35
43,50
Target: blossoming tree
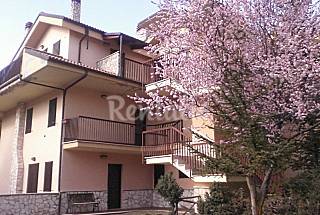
252,64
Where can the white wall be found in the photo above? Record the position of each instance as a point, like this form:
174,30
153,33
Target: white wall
6,140
53,35
43,143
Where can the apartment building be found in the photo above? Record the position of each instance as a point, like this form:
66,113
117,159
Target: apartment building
69,126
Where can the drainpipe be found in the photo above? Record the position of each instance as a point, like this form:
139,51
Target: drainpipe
86,34
121,68
64,91
62,133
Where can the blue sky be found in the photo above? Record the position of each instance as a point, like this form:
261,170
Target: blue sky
108,15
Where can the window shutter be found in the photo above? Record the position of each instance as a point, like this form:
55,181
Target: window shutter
56,48
29,120
52,112
47,176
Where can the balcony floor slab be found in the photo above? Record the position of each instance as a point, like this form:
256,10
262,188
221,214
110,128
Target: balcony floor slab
101,147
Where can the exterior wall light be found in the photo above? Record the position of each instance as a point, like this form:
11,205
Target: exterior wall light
103,157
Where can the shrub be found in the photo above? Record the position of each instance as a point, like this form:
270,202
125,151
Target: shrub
169,189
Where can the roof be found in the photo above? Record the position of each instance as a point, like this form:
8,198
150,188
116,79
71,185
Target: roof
64,18
134,42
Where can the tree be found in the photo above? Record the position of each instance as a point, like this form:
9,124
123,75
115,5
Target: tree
253,66
169,189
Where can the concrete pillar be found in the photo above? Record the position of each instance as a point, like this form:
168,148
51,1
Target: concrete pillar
17,164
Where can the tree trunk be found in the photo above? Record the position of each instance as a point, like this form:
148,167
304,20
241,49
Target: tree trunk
258,197
264,189
253,194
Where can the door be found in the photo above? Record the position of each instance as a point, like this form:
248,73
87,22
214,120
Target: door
114,186
32,186
141,125
158,171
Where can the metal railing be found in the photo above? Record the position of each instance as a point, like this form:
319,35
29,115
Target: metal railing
12,70
137,71
131,69
172,141
99,130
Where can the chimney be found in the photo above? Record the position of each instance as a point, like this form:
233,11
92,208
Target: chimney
76,10
28,26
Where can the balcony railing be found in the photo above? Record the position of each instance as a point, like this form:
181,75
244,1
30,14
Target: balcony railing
10,71
129,69
172,141
99,130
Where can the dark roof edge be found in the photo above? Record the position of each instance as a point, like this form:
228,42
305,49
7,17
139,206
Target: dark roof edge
125,35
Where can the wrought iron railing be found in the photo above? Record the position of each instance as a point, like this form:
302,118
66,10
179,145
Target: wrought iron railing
99,130
12,70
172,141
129,69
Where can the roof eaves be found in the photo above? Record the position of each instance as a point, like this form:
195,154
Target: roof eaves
59,59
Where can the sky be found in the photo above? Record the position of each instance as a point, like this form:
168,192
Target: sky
107,15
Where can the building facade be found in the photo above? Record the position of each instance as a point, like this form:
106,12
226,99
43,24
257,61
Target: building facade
69,124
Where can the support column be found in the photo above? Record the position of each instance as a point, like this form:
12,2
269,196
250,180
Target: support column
17,164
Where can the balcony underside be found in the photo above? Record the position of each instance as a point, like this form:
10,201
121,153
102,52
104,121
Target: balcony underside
90,146
164,86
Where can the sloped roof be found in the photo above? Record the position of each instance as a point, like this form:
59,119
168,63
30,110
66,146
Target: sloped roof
134,42
64,18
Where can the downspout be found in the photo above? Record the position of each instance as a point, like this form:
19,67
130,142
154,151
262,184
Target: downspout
80,43
62,133
121,69
64,91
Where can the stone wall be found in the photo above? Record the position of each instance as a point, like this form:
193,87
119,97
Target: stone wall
48,203
29,204
110,63
100,196
148,199
137,199
17,166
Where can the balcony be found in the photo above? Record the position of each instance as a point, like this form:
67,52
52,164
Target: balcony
95,130
128,69
11,71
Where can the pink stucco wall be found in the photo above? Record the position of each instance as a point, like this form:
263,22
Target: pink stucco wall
87,171
43,143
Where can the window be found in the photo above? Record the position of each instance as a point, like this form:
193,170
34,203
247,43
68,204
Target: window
47,176
52,112
56,48
32,186
29,120
182,175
